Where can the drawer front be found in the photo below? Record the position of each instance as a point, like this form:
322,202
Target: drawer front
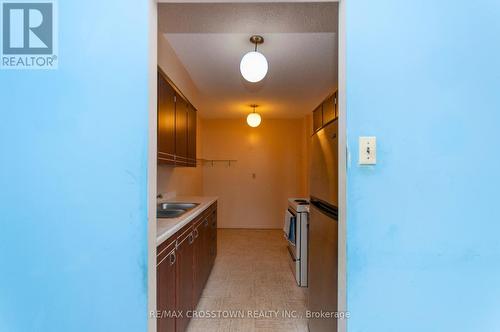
165,248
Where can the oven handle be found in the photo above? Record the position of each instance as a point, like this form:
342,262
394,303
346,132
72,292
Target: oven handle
291,254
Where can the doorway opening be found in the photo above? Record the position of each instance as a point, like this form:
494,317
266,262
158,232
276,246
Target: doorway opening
240,175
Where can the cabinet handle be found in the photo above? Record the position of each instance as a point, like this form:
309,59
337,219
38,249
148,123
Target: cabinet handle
196,233
173,258
191,238
206,222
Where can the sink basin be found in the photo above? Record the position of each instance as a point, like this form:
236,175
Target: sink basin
170,213
173,210
182,206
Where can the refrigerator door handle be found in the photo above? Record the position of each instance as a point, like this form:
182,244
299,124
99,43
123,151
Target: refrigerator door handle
325,208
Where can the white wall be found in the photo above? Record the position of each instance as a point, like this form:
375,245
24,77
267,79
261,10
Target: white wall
273,152
423,224
173,67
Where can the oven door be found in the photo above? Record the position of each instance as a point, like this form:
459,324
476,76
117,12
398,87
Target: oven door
291,225
293,261
292,245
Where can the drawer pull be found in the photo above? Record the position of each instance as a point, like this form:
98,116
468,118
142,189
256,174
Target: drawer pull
173,258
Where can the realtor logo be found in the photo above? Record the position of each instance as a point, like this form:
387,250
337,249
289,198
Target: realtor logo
29,36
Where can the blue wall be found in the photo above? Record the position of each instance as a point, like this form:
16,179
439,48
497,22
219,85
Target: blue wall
73,150
424,224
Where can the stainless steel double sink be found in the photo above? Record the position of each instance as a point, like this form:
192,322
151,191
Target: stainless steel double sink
173,210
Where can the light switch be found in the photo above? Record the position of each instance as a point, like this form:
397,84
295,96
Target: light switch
367,150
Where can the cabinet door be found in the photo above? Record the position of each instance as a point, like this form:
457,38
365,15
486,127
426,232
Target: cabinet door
166,122
191,136
181,123
213,237
200,260
206,248
336,102
318,118
329,110
184,280
165,292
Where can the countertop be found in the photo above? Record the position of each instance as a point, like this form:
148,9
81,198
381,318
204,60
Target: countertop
165,228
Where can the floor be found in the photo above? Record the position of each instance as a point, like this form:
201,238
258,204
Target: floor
251,273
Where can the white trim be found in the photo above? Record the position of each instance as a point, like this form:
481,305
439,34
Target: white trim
343,159
153,63
244,1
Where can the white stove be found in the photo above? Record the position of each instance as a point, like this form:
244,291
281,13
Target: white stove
296,233
299,204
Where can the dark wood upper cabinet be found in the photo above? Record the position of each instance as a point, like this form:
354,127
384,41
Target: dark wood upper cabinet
326,112
166,122
181,134
329,110
318,118
191,135
176,126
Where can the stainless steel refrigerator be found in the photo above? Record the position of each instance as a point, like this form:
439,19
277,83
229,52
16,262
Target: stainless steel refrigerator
323,228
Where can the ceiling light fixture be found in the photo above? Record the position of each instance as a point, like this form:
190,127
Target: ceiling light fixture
254,119
253,65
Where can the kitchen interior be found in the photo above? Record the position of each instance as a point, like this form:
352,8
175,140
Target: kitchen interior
247,182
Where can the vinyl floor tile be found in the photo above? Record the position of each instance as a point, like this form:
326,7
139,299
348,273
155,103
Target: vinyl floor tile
250,277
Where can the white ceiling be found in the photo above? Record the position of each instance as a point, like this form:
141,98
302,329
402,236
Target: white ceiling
300,46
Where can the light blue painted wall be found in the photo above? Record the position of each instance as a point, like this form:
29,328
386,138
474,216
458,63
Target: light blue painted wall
424,224
73,151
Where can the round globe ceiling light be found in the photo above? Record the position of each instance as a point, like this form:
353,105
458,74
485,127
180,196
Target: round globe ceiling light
253,65
254,119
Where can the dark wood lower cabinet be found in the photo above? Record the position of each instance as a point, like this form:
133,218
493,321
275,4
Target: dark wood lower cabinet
166,260
212,246
166,276
184,263
184,284
202,255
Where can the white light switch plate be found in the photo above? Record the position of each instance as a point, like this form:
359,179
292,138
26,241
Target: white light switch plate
367,150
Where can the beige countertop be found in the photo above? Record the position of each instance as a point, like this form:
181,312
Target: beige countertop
165,228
